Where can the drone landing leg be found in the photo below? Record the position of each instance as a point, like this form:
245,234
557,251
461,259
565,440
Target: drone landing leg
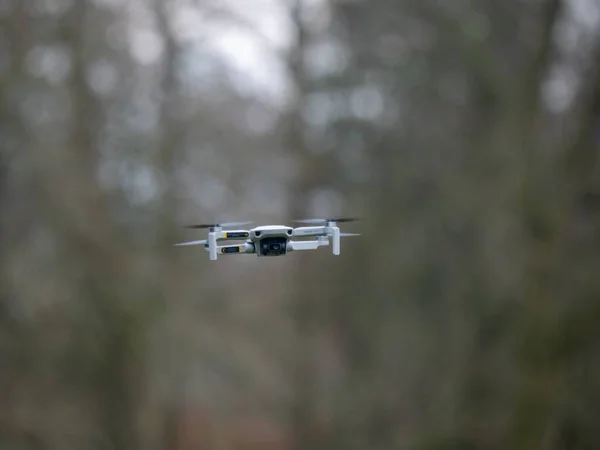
336,241
212,246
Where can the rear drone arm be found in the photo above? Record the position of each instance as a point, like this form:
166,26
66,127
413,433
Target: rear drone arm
310,231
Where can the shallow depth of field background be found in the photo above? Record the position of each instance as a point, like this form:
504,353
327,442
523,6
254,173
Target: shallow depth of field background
465,133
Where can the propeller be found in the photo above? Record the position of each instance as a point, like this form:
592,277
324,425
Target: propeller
349,234
203,241
219,225
338,219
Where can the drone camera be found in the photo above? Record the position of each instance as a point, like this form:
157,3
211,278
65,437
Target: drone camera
275,246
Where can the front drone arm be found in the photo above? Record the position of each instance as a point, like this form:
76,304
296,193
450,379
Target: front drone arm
246,247
306,245
326,231
219,235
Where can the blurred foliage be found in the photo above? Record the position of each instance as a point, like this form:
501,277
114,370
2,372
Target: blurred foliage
467,134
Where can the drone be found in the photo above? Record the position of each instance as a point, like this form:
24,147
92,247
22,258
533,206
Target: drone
271,240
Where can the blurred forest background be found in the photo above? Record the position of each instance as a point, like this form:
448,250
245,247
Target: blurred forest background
466,133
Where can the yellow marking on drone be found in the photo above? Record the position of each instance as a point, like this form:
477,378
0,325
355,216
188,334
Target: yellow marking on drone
225,235
240,248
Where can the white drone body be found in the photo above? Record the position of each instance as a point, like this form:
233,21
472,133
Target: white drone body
271,240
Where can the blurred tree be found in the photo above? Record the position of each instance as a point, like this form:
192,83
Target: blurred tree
447,104
466,316
304,307
106,138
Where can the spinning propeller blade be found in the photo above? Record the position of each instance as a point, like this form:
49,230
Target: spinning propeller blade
318,221
203,241
222,224
349,234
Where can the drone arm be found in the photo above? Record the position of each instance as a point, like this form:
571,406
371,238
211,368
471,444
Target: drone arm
306,245
233,235
309,231
246,247
332,231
